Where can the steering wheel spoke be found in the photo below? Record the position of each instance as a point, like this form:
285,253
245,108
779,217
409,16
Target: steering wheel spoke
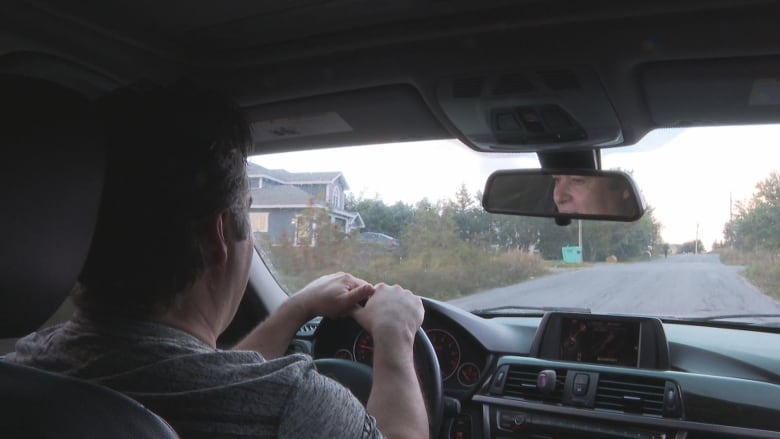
357,377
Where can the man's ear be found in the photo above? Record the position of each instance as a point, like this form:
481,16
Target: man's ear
216,238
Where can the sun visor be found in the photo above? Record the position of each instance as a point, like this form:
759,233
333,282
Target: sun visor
386,114
531,110
713,92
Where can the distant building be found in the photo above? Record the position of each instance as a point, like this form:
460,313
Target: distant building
280,197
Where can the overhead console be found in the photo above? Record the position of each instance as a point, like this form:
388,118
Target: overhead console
545,108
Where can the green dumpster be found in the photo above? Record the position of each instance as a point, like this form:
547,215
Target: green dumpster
572,254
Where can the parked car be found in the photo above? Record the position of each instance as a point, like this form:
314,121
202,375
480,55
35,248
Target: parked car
379,239
419,102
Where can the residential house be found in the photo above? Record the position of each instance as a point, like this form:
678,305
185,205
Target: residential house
280,198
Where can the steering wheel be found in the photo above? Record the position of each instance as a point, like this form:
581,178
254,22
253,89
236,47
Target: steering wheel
357,377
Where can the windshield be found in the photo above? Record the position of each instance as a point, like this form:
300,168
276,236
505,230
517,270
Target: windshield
410,214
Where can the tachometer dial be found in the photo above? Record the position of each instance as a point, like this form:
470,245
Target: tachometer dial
363,349
447,351
468,374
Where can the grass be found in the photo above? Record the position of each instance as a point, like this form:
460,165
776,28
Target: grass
442,274
558,263
760,269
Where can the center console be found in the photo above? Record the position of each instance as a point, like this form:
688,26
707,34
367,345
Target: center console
587,376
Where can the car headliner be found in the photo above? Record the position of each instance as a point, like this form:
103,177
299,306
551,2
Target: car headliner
377,64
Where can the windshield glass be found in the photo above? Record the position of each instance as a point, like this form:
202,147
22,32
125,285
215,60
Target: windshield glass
410,214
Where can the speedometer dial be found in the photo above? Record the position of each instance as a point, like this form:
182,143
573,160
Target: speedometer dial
447,351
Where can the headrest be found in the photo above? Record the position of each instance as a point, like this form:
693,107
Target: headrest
51,172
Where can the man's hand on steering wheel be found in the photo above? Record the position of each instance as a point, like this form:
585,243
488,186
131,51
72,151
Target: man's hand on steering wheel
393,316
333,295
392,311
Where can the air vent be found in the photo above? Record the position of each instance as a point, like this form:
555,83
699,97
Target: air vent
308,328
521,383
467,87
630,394
514,83
560,79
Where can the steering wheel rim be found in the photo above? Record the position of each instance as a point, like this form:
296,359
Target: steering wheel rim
357,376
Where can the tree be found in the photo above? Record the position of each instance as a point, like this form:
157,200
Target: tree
768,190
380,217
603,238
463,200
692,247
488,231
474,224
552,237
432,235
756,227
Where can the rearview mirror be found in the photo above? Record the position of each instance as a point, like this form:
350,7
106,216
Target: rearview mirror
586,194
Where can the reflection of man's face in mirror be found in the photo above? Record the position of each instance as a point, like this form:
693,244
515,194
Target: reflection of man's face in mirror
589,195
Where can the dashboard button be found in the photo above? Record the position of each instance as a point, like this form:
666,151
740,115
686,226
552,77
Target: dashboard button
581,381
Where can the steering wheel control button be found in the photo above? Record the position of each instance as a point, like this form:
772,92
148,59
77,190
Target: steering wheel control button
546,381
581,381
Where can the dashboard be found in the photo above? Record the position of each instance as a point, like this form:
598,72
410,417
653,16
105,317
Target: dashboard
573,375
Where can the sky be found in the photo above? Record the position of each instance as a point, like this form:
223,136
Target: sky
690,176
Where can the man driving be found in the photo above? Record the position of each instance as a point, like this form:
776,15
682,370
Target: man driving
167,269
591,195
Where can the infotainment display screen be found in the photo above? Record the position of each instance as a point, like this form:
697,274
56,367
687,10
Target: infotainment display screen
614,342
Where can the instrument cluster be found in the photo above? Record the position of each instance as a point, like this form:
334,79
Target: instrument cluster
461,359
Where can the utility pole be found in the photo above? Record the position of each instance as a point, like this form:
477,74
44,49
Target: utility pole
579,236
696,242
731,208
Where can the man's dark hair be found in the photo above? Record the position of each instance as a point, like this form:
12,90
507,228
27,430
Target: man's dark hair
176,158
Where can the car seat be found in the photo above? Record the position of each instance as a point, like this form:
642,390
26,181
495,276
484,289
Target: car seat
51,171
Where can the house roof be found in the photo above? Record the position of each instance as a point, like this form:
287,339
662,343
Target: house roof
281,196
283,176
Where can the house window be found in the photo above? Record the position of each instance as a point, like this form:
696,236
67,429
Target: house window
305,231
255,183
259,221
336,199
